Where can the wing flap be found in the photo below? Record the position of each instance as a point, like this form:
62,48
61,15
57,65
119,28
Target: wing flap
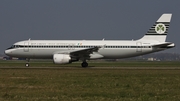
84,53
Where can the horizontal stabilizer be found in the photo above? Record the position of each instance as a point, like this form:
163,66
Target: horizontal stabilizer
164,45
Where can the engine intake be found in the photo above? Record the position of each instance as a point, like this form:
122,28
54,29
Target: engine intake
61,58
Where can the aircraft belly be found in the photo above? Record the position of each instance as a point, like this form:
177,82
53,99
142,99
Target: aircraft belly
116,53
122,53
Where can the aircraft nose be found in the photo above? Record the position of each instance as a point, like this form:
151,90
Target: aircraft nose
7,52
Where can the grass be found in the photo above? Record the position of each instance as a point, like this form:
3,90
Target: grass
79,84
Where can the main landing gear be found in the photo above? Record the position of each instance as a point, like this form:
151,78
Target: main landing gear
84,64
27,64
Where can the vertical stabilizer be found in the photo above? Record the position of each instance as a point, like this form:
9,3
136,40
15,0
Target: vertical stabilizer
159,30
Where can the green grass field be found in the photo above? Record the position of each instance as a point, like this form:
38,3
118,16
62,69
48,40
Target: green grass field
87,84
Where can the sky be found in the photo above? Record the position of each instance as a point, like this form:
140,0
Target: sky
84,20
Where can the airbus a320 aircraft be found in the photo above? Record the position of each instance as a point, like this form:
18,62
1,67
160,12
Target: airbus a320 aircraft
67,51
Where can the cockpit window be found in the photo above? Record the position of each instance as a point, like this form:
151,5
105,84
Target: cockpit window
10,47
14,46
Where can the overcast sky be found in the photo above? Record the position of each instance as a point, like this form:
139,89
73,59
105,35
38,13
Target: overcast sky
84,19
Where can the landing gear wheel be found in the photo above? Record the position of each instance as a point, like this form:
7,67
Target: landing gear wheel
84,64
27,64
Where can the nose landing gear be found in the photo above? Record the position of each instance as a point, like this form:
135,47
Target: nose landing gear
27,64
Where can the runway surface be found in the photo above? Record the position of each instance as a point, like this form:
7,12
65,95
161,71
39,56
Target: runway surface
130,68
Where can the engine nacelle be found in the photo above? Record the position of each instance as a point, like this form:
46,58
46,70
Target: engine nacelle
61,58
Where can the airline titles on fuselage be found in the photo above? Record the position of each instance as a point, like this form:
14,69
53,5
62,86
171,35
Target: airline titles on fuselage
60,44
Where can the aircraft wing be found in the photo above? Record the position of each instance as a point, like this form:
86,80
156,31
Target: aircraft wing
164,45
84,53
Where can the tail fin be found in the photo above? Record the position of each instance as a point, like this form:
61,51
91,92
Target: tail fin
159,30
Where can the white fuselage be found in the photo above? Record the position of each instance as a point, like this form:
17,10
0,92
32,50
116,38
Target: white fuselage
109,49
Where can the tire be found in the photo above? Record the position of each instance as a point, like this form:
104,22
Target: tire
84,64
27,64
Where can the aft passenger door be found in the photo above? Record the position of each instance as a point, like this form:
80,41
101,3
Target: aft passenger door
138,47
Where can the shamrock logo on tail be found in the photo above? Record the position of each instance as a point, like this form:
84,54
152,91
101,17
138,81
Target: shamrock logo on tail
160,28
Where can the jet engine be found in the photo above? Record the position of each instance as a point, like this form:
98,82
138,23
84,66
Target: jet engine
61,58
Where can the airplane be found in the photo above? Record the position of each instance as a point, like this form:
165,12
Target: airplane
68,51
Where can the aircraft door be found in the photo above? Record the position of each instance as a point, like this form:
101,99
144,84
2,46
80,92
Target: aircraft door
138,47
71,46
26,46
103,46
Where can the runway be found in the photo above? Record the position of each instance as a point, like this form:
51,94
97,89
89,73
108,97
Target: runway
123,68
